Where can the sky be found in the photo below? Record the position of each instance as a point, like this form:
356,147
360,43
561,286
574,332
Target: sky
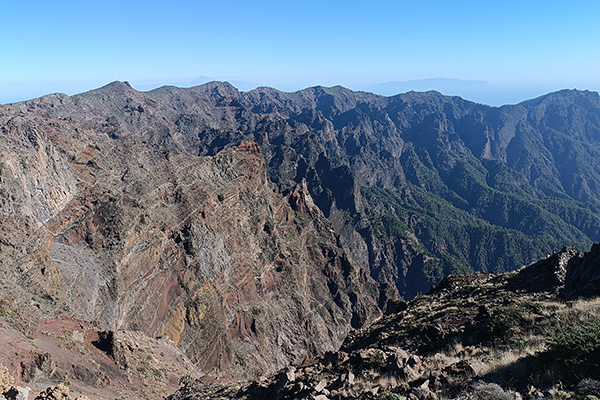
515,50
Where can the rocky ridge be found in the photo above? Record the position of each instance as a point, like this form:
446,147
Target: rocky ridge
102,235
420,185
480,336
246,228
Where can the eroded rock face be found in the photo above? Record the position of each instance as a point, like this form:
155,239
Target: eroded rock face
420,185
202,250
450,343
546,275
583,274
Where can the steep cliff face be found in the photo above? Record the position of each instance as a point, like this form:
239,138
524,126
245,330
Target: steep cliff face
236,224
420,185
103,225
478,336
583,274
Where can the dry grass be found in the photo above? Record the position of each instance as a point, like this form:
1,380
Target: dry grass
509,365
515,365
569,313
441,360
368,381
501,358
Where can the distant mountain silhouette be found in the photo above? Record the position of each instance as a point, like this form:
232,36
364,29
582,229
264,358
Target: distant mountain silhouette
201,80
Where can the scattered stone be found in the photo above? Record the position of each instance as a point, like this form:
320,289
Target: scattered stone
297,387
6,379
463,367
422,393
410,374
291,374
546,275
320,386
414,360
282,381
58,392
399,353
365,354
350,378
40,364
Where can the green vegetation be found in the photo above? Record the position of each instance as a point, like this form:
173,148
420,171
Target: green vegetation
453,239
378,359
509,324
390,225
577,345
393,396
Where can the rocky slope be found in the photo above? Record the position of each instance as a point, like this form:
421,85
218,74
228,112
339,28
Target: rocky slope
246,229
122,235
420,185
479,336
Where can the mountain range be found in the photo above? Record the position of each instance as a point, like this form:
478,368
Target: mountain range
419,185
257,229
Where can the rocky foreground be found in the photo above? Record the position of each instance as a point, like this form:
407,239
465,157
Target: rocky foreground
529,334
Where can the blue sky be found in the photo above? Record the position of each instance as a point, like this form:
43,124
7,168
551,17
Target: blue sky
521,48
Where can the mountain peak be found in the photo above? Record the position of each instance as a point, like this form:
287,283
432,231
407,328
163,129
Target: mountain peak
570,95
115,88
217,89
117,85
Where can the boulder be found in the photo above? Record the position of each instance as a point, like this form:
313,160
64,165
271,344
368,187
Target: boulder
546,275
6,379
421,393
583,275
320,386
58,392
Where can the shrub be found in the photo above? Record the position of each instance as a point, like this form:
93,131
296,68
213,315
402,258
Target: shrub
506,322
576,345
588,387
489,391
378,359
393,396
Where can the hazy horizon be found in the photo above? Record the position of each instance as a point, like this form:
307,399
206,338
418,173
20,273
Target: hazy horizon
484,92
521,49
